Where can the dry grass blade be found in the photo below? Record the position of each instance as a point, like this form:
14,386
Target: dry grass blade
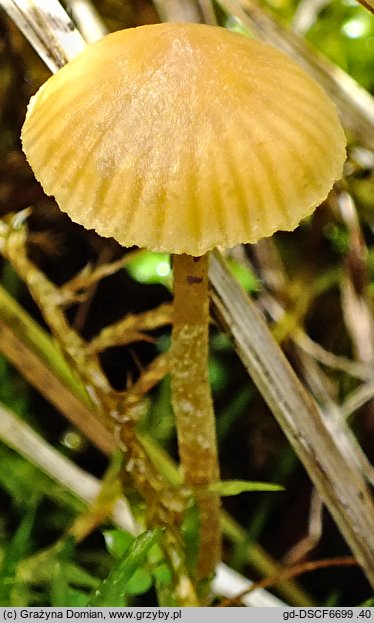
178,10
356,301
306,15
357,398
333,416
207,9
340,486
353,368
26,345
302,548
87,19
20,436
48,28
290,572
227,581
368,4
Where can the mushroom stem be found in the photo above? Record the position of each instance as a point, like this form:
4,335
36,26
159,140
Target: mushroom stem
192,399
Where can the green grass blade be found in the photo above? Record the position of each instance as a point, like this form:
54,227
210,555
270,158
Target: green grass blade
112,591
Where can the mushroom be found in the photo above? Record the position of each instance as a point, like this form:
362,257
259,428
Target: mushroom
180,138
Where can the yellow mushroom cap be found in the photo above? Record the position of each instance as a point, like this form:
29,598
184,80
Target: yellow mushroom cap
182,137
